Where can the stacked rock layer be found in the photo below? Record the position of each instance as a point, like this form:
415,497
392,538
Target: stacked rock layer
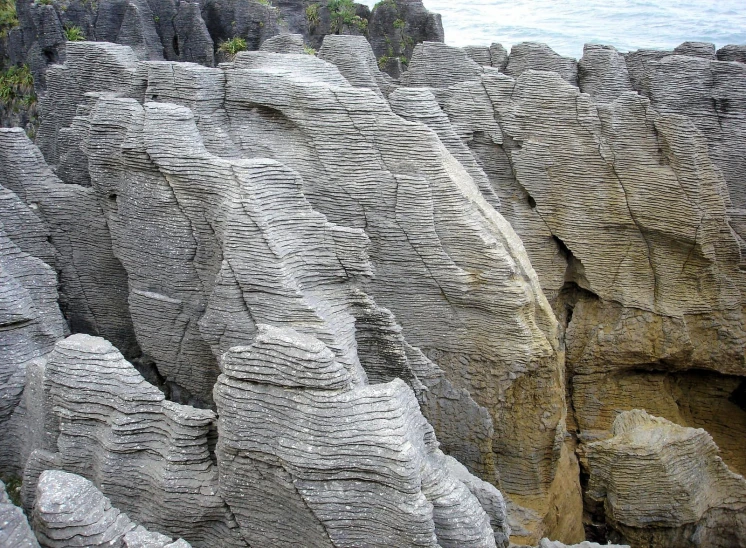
300,288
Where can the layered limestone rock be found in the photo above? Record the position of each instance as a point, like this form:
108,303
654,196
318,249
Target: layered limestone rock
331,462
333,241
630,342
14,527
732,52
713,100
92,282
603,73
70,511
150,456
194,31
694,499
438,285
30,320
535,56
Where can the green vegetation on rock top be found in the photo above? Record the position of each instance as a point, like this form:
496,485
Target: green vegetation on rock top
233,46
17,88
8,17
343,13
74,34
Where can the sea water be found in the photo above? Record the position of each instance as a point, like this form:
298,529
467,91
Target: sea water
566,25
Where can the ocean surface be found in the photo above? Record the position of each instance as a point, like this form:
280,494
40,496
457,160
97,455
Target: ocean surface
566,25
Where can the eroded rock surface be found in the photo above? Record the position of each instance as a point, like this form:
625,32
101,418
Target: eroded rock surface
695,500
289,415
15,530
365,264
70,511
547,149
148,455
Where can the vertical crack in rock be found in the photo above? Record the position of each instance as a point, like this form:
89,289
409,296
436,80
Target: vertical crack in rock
148,455
325,245
283,402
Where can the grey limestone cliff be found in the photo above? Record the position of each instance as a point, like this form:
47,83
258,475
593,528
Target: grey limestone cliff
316,303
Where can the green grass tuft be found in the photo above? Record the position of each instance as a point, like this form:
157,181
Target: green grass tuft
312,15
17,88
74,34
233,46
8,17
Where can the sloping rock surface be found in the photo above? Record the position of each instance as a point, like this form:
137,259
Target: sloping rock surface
70,511
14,527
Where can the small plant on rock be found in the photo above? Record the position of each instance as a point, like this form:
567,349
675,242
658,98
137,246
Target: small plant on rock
308,50
8,17
233,46
312,15
343,14
13,488
17,88
74,34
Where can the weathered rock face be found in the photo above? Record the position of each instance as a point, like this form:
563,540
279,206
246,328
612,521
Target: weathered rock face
289,415
148,455
695,499
194,31
14,527
313,251
92,282
70,511
566,165
452,316
534,56
30,320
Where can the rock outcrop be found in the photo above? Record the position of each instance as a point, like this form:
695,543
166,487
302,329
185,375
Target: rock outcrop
463,297
341,308
332,462
694,500
30,320
150,456
194,31
535,56
70,511
551,153
14,527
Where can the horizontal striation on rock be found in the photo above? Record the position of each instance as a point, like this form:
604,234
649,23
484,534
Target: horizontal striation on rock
70,511
30,319
437,207
695,499
148,455
330,462
92,282
668,280
535,56
331,238
447,266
